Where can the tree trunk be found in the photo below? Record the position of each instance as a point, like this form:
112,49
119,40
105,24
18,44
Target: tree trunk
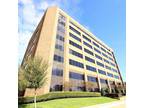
35,99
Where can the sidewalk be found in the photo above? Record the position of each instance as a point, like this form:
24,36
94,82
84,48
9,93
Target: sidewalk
117,104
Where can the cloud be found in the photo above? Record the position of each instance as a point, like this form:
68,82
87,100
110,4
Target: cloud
30,13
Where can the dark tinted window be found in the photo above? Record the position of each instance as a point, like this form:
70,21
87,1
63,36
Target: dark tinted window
86,38
105,55
103,49
92,79
88,51
98,51
100,64
96,44
59,47
76,63
75,53
103,81
110,75
59,37
58,58
107,67
89,59
106,61
74,30
101,72
90,68
57,72
117,77
76,76
99,57
75,37
88,45
75,44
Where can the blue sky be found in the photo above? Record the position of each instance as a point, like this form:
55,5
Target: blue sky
104,18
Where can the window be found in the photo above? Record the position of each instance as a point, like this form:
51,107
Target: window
86,38
107,67
77,76
112,64
88,51
58,58
74,30
97,51
88,45
92,79
115,76
106,61
114,70
75,37
57,72
101,72
89,59
61,22
103,49
99,57
75,44
100,64
90,68
75,53
109,53
60,37
76,63
103,81
110,58
61,29
105,55
96,44
60,47
109,74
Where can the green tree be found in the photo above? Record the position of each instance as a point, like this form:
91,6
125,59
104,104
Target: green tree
22,83
35,74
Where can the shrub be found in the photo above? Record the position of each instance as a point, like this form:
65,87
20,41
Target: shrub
57,95
113,95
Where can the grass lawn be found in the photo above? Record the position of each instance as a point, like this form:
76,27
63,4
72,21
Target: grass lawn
70,102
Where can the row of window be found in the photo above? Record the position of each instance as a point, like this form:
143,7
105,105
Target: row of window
88,45
90,39
59,72
75,53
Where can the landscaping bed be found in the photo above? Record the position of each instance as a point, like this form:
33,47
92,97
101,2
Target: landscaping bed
57,95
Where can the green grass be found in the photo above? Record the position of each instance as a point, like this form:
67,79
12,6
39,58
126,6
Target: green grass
70,102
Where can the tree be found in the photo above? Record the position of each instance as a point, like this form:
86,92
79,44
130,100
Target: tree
35,74
22,83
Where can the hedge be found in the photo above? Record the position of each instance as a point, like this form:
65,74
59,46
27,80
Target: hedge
57,95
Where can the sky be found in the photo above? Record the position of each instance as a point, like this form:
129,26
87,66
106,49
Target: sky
106,19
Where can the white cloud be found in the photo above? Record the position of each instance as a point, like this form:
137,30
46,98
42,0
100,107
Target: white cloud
30,13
